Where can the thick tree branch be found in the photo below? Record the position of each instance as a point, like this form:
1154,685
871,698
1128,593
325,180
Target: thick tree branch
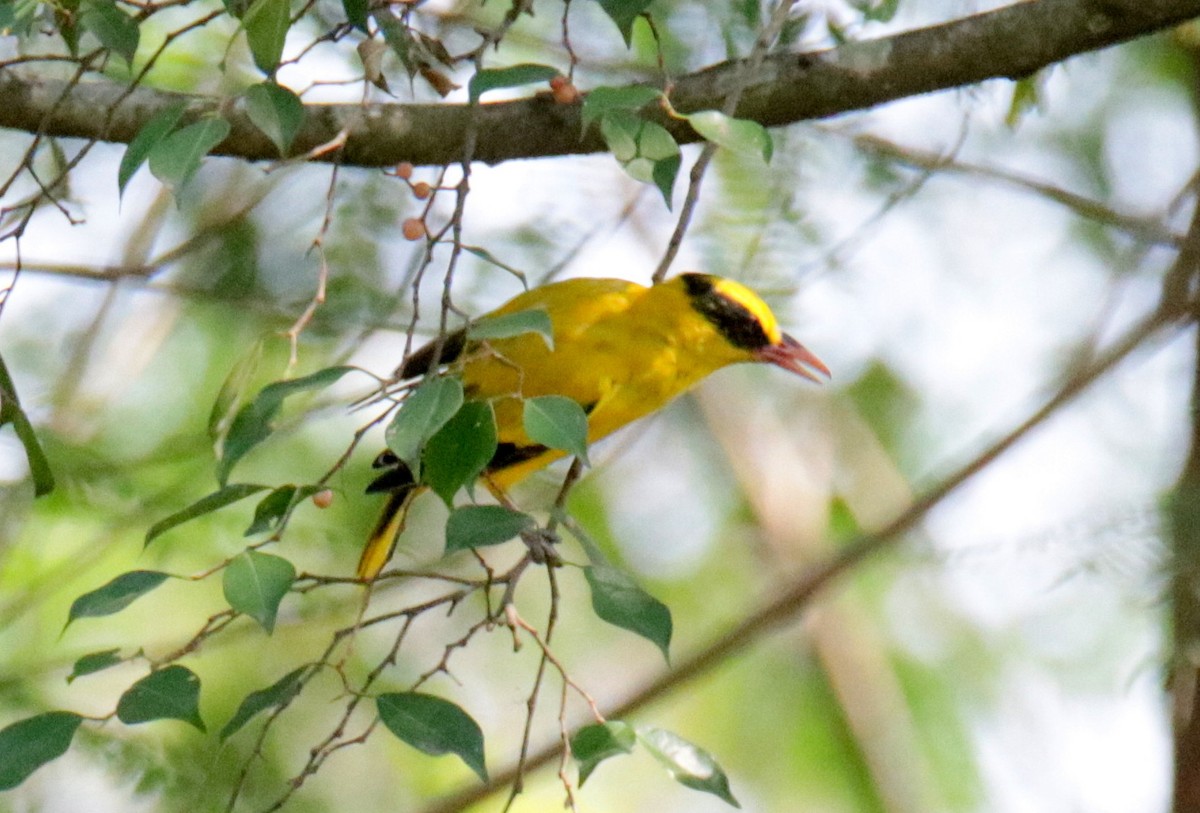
1011,42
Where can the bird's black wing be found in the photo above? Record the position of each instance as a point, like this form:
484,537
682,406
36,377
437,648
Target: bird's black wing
419,362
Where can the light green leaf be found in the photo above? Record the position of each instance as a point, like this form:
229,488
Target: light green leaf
595,743
277,112
227,495
272,508
423,413
255,583
602,100
278,693
252,424
647,151
457,454
434,726
739,135
484,254
94,662
175,158
507,325
266,25
116,30
116,595
476,526
558,422
688,765
514,76
28,744
617,599
172,693
153,131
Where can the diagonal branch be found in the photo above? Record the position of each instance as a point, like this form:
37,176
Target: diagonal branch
1011,42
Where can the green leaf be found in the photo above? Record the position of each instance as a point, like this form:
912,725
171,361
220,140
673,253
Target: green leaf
558,422
477,526
507,325
227,495
617,599
434,726
28,744
647,151
255,583
423,413
276,505
94,662
277,112
116,595
487,256
172,693
624,13
176,157
11,412
739,135
153,131
116,30
1026,97
688,765
278,693
513,76
266,25
663,176
602,100
252,424
356,13
595,743
457,454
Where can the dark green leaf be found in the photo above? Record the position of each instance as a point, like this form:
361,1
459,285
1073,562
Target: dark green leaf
593,744
401,40
663,175
94,662
175,158
28,744
617,599
172,693
266,25
739,135
11,412
255,583
276,505
514,76
356,13
508,325
434,726
688,765
224,496
624,13
277,112
278,693
116,30
476,526
252,424
558,422
602,100
456,455
158,127
423,413
233,388
116,595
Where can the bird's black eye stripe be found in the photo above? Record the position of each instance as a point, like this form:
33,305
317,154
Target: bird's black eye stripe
732,319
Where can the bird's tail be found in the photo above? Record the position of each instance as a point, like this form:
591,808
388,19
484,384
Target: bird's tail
382,541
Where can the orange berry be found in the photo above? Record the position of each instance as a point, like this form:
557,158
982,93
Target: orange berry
323,498
413,228
421,190
404,170
565,93
557,81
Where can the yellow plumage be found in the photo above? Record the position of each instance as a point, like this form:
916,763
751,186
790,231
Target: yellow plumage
621,350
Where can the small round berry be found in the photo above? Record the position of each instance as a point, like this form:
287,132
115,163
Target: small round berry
413,228
404,170
421,190
323,498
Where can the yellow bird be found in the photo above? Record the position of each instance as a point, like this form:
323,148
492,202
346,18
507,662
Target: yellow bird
620,350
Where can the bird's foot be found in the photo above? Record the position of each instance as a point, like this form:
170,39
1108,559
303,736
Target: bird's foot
541,544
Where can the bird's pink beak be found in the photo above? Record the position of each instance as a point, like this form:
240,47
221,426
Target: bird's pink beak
791,355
